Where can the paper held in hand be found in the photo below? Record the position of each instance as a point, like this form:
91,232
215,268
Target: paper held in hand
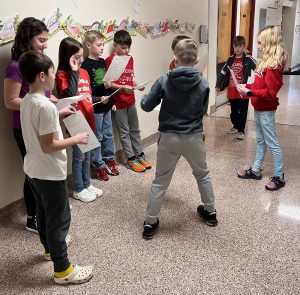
141,86
76,123
70,100
107,97
116,68
236,83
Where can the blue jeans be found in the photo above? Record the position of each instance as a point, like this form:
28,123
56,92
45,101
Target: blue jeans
104,133
266,138
80,169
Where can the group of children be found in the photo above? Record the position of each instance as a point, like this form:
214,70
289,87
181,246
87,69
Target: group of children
183,94
75,77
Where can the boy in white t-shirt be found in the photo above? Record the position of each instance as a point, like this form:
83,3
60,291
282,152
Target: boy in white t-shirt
46,164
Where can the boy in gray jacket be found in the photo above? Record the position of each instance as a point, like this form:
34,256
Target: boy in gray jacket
183,95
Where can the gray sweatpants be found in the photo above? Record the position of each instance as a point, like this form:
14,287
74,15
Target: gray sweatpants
171,147
129,131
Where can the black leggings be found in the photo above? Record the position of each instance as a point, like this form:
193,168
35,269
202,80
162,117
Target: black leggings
27,191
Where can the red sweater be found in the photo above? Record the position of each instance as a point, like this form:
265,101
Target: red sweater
265,88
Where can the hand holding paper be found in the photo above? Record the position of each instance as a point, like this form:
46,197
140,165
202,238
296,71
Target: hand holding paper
141,86
107,97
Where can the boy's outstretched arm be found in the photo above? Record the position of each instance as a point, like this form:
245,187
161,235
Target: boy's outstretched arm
50,145
153,98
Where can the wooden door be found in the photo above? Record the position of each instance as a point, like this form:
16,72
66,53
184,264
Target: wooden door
246,22
224,30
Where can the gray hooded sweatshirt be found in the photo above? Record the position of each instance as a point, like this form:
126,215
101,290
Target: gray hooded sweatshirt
183,95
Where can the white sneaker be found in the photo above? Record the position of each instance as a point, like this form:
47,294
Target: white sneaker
84,196
96,191
241,136
232,131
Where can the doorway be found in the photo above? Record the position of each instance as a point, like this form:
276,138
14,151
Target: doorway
235,17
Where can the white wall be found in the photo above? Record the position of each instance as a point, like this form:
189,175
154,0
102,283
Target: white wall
152,57
295,59
264,4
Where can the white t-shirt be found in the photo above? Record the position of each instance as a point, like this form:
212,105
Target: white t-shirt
39,116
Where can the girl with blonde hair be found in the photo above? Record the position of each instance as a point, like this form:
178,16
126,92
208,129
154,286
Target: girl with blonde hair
263,93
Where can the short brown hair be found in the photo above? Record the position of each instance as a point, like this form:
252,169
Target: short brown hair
186,51
177,39
32,63
239,40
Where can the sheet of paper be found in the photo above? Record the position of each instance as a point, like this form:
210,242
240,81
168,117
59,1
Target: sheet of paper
251,78
234,78
70,100
116,68
157,108
108,96
142,85
76,123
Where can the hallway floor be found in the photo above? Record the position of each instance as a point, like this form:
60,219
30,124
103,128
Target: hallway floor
253,250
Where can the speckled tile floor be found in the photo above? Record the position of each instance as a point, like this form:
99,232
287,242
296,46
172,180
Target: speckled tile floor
254,250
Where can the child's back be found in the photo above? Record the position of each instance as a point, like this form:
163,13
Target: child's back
184,95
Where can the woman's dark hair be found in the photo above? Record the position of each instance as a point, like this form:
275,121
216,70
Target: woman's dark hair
67,48
28,28
32,63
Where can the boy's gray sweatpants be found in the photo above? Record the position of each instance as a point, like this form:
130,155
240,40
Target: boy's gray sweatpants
129,131
171,147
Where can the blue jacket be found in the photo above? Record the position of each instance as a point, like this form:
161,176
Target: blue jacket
183,95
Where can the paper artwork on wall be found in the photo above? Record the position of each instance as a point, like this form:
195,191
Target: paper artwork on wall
52,22
76,30
8,29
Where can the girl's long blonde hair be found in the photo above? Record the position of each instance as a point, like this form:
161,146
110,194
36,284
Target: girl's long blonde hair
272,49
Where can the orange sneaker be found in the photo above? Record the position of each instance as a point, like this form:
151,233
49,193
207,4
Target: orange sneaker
142,159
135,165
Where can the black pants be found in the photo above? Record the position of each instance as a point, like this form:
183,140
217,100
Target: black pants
53,219
239,111
27,191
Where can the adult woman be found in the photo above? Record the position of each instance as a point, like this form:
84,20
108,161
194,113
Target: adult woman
32,34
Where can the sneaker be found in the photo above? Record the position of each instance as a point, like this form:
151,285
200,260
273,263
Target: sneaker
68,240
142,159
79,275
135,165
102,174
232,131
241,136
150,229
112,167
210,218
275,183
250,174
84,196
31,225
96,191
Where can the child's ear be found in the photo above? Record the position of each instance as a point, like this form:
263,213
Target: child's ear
88,45
175,59
41,76
196,61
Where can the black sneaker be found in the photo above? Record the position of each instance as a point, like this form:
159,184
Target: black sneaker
149,230
31,225
209,218
250,174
